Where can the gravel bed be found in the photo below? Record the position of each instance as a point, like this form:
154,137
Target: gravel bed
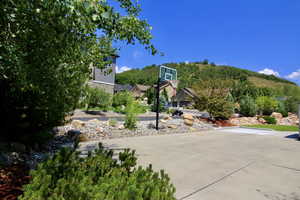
99,130
95,130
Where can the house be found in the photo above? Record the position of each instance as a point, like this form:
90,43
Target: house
168,88
122,88
184,98
105,78
139,91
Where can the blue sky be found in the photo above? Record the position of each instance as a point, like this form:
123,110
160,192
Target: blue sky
259,35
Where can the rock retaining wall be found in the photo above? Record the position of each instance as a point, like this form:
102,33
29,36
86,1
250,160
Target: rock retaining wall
290,120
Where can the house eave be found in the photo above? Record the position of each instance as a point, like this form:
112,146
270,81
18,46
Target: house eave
101,82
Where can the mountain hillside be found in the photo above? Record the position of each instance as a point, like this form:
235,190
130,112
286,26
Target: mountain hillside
190,74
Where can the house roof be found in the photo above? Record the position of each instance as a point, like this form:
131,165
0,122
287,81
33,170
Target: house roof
190,92
143,88
119,87
185,94
163,84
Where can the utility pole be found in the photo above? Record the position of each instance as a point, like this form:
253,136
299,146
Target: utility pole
157,102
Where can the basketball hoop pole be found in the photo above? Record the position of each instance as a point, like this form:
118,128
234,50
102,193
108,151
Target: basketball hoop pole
165,74
157,103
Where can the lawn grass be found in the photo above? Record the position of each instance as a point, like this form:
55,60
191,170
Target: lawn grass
275,127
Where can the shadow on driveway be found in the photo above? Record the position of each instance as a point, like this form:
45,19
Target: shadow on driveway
293,136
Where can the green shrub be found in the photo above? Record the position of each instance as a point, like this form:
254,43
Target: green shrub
138,108
292,104
112,122
213,97
97,98
150,94
161,107
218,108
130,119
266,105
248,107
170,111
122,99
119,109
281,109
98,176
270,120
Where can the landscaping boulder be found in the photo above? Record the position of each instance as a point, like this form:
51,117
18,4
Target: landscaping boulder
73,134
172,126
244,121
121,127
262,120
99,130
188,122
163,121
188,117
205,115
167,118
235,115
83,138
285,121
78,124
96,121
192,129
291,120
153,126
276,115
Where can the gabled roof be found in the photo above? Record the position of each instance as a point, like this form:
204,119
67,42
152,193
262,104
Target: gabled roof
163,84
190,92
143,88
185,94
119,87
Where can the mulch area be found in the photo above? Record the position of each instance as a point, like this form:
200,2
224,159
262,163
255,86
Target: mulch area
11,181
220,123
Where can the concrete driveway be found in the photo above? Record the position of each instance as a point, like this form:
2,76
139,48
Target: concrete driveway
218,165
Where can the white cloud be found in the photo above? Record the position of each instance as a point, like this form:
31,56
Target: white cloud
122,69
294,75
268,71
137,54
187,62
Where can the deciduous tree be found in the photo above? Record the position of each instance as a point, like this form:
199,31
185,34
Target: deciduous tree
47,48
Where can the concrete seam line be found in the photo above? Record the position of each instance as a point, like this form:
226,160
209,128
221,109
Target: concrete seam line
216,181
281,166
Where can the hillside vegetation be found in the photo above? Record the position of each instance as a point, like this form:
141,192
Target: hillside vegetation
189,74
223,90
